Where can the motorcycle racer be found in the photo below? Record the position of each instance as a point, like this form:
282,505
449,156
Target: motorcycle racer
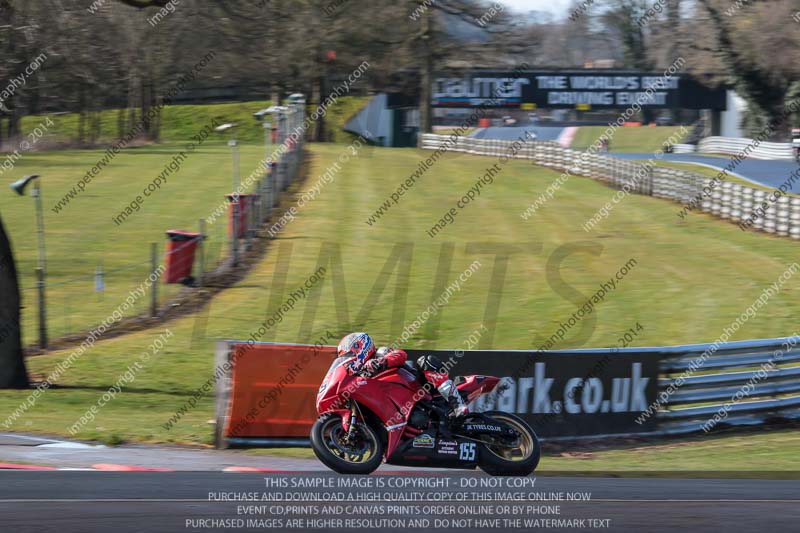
369,362
362,349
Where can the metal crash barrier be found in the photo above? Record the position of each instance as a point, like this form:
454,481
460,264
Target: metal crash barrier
740,383
756,150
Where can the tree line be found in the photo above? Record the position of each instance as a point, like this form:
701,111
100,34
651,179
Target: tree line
127,54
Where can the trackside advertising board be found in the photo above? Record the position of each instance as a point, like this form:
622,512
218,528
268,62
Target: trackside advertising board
273,389
557,89
565,393
274,386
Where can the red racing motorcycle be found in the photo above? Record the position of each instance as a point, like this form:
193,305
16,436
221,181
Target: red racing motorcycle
398,417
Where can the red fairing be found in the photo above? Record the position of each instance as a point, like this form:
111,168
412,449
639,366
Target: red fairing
474,386
395,358
390,395
435,378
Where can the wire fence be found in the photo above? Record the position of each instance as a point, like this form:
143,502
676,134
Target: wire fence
75,304
78,303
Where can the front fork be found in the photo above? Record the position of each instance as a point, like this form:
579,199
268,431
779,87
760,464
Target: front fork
352,423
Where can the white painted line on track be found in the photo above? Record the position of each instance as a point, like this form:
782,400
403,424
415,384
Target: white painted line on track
71,445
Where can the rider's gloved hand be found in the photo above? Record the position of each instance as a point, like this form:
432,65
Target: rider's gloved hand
373,366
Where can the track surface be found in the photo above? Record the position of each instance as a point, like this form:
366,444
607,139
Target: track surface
186,501
191,499
543,133
30,449
768,173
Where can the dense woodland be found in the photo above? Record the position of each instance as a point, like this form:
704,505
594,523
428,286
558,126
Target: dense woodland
109,54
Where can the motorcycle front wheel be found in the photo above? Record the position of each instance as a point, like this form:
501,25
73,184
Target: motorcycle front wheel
519,459
362,453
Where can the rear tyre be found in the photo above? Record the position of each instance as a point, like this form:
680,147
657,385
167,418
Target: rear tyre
519,459
360,456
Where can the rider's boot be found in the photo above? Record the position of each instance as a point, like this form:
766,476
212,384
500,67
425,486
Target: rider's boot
456,406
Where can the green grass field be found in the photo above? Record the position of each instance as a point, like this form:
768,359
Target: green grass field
692,279
180,122
82,236
625,139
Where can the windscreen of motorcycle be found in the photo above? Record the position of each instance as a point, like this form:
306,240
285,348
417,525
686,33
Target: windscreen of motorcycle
339,361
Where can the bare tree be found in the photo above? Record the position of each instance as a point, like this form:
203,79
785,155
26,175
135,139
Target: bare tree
623,18
756,76
12,363
432,36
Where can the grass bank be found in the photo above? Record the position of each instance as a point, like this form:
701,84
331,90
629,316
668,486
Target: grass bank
691,279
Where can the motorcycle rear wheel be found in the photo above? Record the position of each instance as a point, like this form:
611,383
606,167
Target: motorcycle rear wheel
522,460
362,456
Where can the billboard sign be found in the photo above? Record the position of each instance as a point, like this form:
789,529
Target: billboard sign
581,89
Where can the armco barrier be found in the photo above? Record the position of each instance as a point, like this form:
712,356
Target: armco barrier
683,148
726,200
268,396
734,145
740,383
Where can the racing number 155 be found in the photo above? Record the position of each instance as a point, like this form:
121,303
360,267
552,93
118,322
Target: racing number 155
467,451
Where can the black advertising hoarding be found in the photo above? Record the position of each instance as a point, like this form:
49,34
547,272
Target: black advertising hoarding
545,388
570,89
